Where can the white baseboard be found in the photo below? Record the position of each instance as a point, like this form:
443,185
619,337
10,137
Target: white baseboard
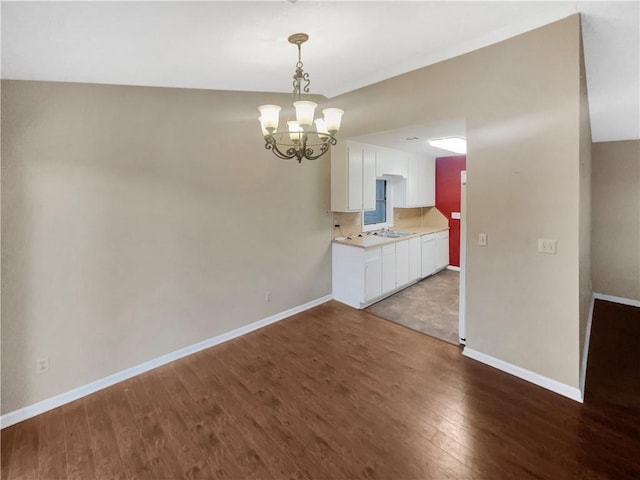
561,388
614,299
43,406
453,267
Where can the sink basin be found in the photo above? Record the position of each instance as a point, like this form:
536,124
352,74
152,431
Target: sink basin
393,234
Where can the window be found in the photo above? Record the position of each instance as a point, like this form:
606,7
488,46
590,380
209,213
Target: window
378,218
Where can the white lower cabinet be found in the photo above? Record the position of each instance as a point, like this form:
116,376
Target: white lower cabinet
373,275
428,255
362,276
403,263
415,258
388,268
442,250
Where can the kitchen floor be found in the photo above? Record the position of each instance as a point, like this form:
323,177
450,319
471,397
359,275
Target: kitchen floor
430,306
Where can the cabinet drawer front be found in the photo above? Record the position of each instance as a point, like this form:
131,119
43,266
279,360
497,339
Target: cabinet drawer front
428,237
389,249
444,234
370,253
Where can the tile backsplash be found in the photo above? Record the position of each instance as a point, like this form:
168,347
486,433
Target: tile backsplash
403,218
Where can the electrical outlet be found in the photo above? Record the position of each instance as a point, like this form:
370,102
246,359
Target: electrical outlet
42,365
267,297
482,239
547,245
397,216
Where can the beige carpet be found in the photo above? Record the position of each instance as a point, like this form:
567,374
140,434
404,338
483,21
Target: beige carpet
430,306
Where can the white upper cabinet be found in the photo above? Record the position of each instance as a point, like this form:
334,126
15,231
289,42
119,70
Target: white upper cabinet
368,178
353,177
427,182
355,166
419,188
391,162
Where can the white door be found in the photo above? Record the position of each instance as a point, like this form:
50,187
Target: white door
462,327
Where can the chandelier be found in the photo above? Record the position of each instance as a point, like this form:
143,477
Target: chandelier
304,138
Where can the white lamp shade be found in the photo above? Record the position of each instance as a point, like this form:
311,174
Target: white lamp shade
269,116
294,130
332,118
265,132
305,111
321,127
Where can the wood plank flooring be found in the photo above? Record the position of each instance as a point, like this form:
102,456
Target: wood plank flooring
613,373
331,393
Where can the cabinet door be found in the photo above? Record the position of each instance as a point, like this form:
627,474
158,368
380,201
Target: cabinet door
368,179
354,177
427,182
428,255
442,250
373,278
388,268
390,162
413,181
402,263
415,258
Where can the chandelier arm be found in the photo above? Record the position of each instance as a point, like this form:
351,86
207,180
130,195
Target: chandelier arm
271,144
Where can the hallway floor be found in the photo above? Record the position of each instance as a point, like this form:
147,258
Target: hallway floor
612,371
430,306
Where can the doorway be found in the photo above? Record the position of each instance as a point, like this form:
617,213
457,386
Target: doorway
435,304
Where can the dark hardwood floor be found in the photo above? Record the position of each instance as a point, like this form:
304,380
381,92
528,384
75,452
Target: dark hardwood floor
613,372
332,393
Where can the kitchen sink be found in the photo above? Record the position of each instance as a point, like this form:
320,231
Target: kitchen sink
393,234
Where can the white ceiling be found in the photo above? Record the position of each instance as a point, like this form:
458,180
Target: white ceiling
415,138
242,45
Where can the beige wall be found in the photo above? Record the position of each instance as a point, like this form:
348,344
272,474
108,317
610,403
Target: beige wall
137,221
616,218
521,101
584,219
140,220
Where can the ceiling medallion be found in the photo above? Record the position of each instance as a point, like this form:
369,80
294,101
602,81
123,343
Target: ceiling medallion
304,138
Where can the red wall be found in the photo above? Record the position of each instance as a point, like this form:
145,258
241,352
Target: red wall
448,199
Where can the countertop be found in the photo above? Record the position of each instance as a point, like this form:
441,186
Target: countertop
375,241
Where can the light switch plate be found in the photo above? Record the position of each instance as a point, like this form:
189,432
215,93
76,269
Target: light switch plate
482,239
547,245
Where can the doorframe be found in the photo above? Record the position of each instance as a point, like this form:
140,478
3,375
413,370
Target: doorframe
462,320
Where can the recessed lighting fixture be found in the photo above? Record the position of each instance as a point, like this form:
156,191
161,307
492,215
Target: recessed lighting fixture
453,144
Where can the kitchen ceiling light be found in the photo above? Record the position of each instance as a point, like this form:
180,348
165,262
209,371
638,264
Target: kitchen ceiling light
304,137
453,144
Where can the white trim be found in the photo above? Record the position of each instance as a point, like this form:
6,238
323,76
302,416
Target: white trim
561,388
585,351
453,267
614,299
34,409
